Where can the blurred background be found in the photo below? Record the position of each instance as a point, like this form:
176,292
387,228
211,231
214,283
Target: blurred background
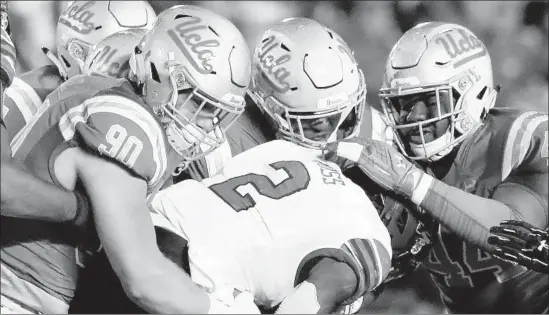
515,33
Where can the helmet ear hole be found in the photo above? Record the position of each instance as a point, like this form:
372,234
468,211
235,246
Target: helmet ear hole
484,115
67,64
482,92
154,73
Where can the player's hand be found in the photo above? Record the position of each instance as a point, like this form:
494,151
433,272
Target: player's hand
520,242
381,163
243,303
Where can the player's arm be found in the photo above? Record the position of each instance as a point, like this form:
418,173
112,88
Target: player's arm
339,278
126,232
329,277
459,210
22,195
514,199
25,196
521,196
125,155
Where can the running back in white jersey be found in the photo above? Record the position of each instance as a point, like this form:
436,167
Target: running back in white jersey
271,209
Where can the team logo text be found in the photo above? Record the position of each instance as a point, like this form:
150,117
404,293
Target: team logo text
198,50
463,44
277,72
78,17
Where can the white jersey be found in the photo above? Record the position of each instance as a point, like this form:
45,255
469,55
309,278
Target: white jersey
269,210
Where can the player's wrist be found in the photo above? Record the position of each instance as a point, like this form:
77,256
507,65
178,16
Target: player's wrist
83,208
421,188
415,185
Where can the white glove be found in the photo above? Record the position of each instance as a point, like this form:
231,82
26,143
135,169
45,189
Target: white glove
243,303
385,166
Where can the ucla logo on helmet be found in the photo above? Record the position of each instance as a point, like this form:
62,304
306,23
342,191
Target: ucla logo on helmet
461,46
197,42
78,17
271,62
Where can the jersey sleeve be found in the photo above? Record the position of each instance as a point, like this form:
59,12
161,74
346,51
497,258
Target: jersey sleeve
120,129
7,58
21,102
526,147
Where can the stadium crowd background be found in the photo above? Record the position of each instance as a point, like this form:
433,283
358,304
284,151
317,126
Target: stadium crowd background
515,33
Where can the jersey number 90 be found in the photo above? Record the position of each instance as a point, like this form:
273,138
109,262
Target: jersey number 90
121,147
297,180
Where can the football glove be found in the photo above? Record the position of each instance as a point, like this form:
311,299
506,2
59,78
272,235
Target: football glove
384,165
522,243
243,303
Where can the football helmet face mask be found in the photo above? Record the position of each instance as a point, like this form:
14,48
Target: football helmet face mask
110,57
308,83
447,69
193,69
83,24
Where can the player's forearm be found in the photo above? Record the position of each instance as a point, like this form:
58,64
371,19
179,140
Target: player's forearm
162,287
470,216
25,196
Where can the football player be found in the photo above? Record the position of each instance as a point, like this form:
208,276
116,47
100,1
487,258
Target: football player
522,243
476,165
81,25
117,140
281,217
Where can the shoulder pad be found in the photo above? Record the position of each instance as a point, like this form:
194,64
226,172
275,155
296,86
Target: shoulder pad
120,129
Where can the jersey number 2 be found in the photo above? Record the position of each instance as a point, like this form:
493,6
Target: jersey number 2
297,179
